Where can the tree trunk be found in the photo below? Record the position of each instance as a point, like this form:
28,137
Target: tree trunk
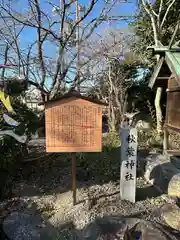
156,35
157,101
158,110
111,118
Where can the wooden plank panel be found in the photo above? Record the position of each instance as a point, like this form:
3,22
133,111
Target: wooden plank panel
171,61
173,109
173,128
172,83
173,89
173,152
74,126
156,72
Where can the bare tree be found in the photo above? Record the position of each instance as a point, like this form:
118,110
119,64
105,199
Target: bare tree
108,44
58,32
111,74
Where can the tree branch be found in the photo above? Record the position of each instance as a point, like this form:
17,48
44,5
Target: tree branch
153,21
40,43
38,87
29,24
166,13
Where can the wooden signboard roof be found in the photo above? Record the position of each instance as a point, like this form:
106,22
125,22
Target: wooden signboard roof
168,64
73,94
165,67
73,124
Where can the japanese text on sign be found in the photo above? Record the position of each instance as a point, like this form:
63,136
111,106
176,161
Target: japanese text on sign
128,163
73,127
130,152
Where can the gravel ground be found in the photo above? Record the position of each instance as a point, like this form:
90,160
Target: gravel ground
94,201
45,188
105,201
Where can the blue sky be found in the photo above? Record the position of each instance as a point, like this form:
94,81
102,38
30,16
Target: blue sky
29,34
124,9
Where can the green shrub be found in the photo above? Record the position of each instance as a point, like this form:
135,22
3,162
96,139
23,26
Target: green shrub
149,139
104,165
111,140
11,151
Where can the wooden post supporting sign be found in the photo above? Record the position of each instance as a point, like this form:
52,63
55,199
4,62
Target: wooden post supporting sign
73,124
74,177
128,164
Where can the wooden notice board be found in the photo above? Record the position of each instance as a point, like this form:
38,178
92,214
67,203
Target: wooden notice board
73,125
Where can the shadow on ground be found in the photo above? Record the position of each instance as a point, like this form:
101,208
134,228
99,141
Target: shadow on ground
53,175
106,227
146,192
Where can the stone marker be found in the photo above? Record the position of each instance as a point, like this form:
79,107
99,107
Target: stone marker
128,164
